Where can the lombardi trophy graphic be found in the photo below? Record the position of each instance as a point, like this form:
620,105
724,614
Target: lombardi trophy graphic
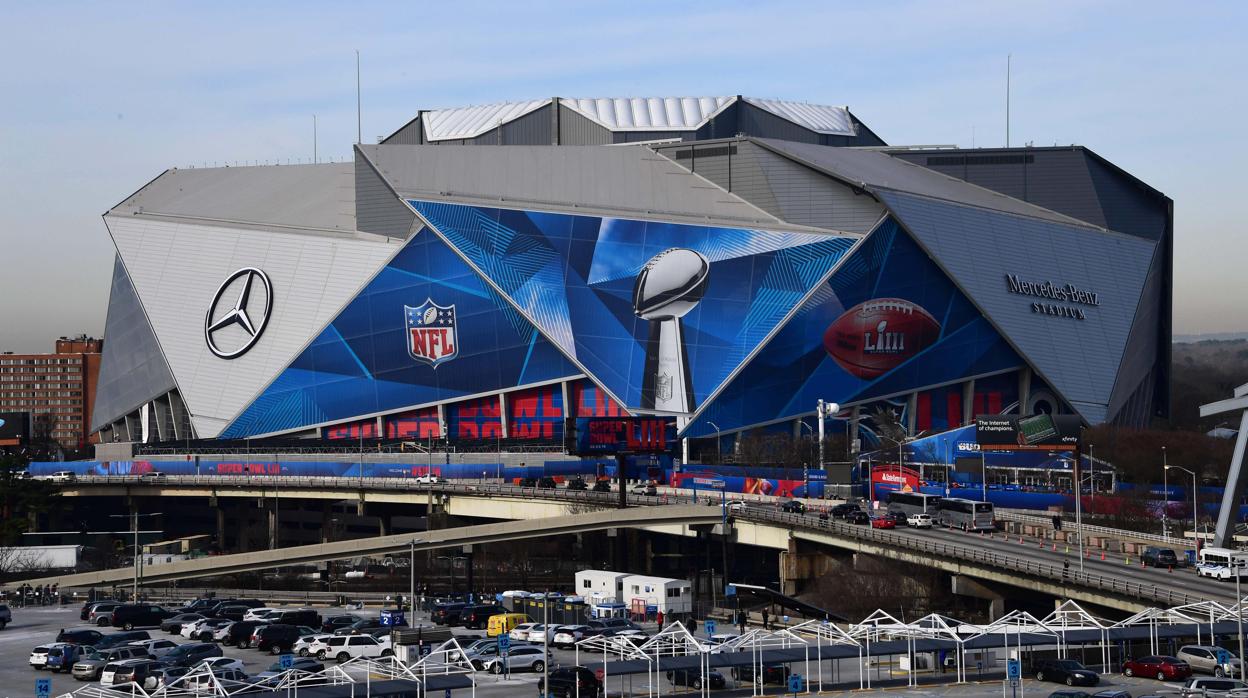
668,287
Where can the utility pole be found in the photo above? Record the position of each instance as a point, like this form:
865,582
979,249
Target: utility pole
359,129
138,556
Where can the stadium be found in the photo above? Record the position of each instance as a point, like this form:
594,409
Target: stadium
486,272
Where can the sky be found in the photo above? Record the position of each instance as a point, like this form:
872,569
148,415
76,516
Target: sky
99,98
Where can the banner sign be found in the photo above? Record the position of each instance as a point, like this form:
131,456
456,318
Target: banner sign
607,435
1003,432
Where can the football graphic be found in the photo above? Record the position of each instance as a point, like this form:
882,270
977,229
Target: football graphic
670,284
876,336
431,314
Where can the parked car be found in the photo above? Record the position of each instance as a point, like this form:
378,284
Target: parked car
101,613
121,638
858,517
307,664
173,624
62,655
1204,658
332,623
1073,694
346,647
203,630
546,482
39,657
191,654
1066,671
772,673
200,679
521,632
296,616
522,658
167,675
693,679
1160,557
570,682
199,606
141,672
428,479
540,633
134,615
260,613
1205,686
79,637
919,521
216,663
91,665
447,613
155,648
477,617
793,506
602,485
235,613
568,635
239,634
85,611
152,476
277,638
842,510
882,522
645,489
898,518
1160,667
361,626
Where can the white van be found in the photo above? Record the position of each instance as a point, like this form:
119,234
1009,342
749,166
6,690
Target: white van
1216,563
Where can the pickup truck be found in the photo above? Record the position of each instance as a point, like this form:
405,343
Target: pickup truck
6,616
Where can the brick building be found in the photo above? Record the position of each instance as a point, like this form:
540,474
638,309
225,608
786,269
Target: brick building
58,389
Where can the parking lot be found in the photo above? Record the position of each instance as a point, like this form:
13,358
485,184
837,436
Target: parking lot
39,625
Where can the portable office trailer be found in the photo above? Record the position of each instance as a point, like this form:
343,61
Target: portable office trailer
658,594
600,586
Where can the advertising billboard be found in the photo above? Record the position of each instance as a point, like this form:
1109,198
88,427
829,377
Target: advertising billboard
1040,432
14,428
611,435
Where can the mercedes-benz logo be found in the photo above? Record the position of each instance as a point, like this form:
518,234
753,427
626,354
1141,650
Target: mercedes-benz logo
236,328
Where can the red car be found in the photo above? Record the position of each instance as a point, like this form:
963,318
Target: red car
883,522
1162,668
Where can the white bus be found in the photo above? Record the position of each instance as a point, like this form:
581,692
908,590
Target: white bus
966,514
1216,563
913,503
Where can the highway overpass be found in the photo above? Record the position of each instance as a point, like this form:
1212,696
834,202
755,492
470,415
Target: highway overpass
1117,581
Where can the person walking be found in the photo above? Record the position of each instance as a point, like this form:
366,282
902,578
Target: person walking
766,619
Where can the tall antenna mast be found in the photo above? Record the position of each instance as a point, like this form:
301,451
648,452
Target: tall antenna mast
1007,99
359,129
314,139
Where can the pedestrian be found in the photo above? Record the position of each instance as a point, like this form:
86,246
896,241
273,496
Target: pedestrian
740,622
1065,570
766,619
659,618
693,624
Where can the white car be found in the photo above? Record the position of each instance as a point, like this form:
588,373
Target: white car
216,663
307,645
260,613
155,648
520,633
347,647
39,657
428,479
919,521
62,476
539,633
192,631
219,633
736,505
516,594
568,635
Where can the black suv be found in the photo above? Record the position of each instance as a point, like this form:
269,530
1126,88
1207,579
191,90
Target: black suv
447,613
119,639
190,654
477,617
577,483
335,623
80,637
1160,557
693,678
200,605
858,517
234,613
239,634
547,482
132,615
841,511
772,673
301,616
360,626
793,506
602,485
569,682
276,637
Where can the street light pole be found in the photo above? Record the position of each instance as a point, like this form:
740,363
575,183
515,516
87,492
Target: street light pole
134,516
1165,492
1195,538
719,449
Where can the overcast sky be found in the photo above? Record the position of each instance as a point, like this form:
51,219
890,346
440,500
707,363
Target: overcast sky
99,98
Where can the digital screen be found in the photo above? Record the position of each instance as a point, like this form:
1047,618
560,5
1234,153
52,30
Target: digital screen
598,435
1036,432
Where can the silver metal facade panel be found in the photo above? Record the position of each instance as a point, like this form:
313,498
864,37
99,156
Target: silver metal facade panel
763,124
377,208
305,196
822,119
176,269
877,170
575,129
1139,360
980,248
412,133
531,129
132,369
627,181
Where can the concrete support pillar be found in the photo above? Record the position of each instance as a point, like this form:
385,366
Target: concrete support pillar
219,506
649,554
966,586
271,511
383,525
325,522
502,415
788,569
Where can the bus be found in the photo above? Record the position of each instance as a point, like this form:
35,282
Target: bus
913,503
966,514
1216,563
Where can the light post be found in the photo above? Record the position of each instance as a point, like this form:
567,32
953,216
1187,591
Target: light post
1165,492
719,449
805,463
137,555
1078,509
411,573
1195,538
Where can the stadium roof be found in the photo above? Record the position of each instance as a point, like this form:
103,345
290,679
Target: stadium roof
633,114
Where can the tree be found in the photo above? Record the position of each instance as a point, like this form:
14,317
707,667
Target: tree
21,498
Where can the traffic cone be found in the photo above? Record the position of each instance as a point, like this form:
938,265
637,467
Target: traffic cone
1102,556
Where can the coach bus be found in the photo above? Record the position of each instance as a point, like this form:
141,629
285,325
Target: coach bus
913,503
966,514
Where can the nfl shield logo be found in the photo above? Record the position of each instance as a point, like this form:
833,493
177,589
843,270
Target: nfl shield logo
431,332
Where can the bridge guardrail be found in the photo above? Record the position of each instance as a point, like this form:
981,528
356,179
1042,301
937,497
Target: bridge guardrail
757,514
1092,529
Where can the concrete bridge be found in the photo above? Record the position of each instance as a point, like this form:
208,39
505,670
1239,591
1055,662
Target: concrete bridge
981,561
